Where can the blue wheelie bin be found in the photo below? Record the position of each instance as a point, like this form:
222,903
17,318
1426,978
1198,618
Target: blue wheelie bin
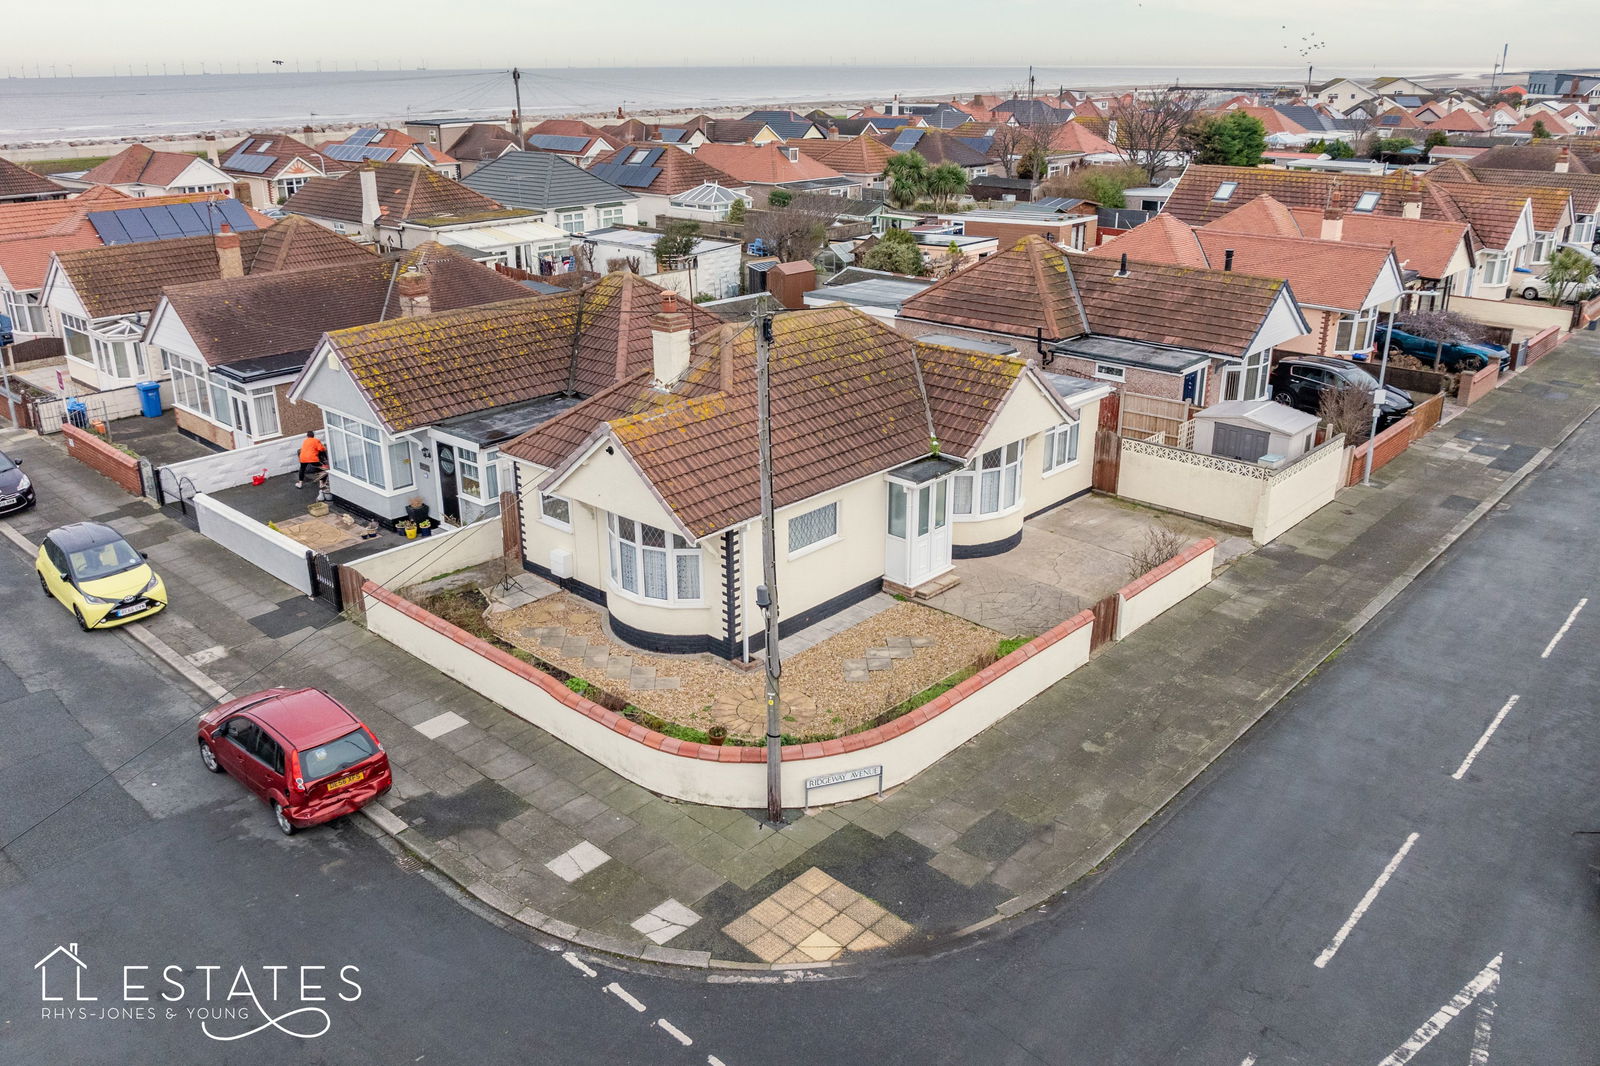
149,398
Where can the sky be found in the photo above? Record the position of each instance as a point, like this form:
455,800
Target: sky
1355,36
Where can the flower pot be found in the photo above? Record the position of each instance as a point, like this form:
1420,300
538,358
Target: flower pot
411,532
717,735
317,509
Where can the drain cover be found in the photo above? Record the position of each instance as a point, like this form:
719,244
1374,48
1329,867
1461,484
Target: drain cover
408,862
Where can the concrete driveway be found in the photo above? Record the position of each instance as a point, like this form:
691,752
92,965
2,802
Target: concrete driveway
1069,559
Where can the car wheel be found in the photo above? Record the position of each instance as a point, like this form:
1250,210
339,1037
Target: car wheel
285,826
1530,293
44,586
81,623
1283,398
209,758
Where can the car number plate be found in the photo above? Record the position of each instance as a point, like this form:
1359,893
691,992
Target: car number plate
344,781
123,612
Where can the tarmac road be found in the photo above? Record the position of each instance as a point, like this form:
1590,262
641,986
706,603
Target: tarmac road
1441,870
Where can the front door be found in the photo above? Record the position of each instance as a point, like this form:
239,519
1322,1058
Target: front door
918,545
244,428
447,484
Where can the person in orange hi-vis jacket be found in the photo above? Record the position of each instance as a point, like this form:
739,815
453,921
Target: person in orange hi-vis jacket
312,454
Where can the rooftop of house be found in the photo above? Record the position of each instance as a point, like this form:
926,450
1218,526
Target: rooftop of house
1536,157
419,371
1035,289
1427,246
139,164
850,398
660,171
767,164
936,147
268,155
287,311
128,278
848,155
482,141
21,183
406,192
382,146
542,181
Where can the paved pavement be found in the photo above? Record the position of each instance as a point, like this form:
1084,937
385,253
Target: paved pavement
1196,944
993,830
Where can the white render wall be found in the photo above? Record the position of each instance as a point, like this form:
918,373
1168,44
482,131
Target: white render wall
425,557
256,543
224,470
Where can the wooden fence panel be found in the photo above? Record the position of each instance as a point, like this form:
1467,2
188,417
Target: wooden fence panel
1107,460
1105,621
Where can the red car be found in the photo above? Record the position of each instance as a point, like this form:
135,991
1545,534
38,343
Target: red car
298,749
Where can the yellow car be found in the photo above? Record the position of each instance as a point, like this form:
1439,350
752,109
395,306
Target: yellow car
98,576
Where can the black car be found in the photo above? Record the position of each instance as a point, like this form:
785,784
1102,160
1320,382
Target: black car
1299,382
16,491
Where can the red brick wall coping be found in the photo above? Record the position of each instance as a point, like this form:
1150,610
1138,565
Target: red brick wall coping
95,453
1172,565
728,752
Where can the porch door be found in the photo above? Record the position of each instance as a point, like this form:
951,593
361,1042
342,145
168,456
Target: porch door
448,503
243,425
928,530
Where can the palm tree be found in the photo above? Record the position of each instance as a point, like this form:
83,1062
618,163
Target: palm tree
947,183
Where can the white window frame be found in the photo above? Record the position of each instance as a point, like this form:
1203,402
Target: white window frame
287,187
107,351
548,498
828,512
191,384
74,326
1582,231
348,438
1110,372
1367,202
1225,192
27,316
484,467
1000,467
611,216
1060,448
1236,379
637,553
1353,332
1496,268
1543,245
570,221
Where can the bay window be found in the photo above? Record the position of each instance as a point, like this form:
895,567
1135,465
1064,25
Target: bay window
480,476
75,335
355,449
117,358
1582,231
990,483
27,313
190,388
1496,268
1249,380
651,563
1543,245
1060,446
1354,332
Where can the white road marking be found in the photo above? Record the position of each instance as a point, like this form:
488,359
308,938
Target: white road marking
1366,901
712,1060
579,964
1550,647
1249,1060
1480,1033
1487,981
1461,771
618,991
677,1034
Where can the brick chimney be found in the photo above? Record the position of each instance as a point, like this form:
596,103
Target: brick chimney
414,289
230,261
1563,161
1332,225
1411,198
370,211
669,342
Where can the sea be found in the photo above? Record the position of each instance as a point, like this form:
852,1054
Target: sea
144,103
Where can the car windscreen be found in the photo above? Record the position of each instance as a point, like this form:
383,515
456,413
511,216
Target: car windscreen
102,560
1352,375
6,463
336,755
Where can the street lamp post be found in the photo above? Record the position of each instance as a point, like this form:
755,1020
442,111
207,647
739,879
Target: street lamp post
767,592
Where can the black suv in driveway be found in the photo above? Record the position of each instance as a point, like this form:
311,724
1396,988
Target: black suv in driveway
1299,381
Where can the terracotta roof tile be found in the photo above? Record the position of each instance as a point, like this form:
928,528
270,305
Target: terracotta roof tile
1261,215
1022,291
417,371
678,170
281,150
17,182
406,192
140,164
767,164
1163,239
128,278
849,155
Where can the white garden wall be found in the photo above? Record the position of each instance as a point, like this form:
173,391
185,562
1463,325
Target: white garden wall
266,548
224,470
426,557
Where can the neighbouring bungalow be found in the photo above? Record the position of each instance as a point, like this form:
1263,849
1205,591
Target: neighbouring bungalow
1340,285
103,297
892,460
235,345
269,168
575,141
650,176
373,144
1181,333
558,193
421,407
140,171
21,185
762,168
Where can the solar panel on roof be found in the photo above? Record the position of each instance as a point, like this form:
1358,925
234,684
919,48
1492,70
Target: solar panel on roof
355,153
138,225
907,140
673,136
625,175
248,164
555,142
427,153
244,145
364,136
